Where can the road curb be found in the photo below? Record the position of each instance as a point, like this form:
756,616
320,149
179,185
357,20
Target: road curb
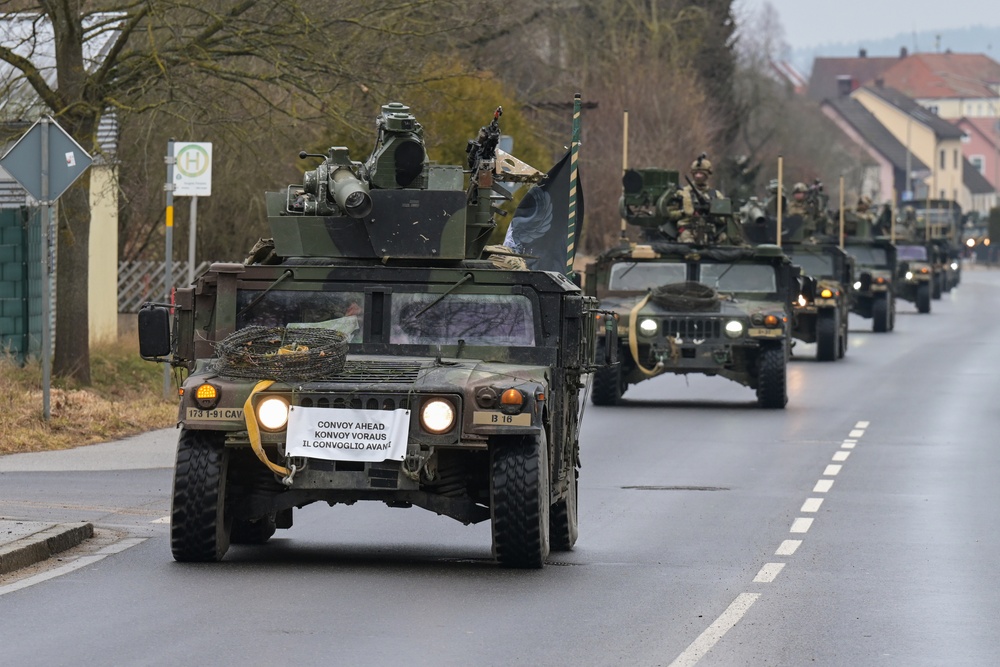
43,544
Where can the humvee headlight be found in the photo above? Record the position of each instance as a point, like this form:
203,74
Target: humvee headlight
803,302
272,413
771,321
734,328
648,327
826,293
206,396
909,275
437,416
857,285
954,266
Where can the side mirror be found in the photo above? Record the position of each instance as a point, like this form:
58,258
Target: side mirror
154,332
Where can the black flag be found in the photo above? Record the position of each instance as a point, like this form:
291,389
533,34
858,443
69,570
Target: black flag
540,226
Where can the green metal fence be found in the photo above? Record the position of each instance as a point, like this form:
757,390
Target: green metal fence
20,283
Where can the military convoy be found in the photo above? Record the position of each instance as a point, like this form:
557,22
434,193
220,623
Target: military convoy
713,308
376,349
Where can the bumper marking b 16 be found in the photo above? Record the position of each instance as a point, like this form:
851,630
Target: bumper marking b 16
494,418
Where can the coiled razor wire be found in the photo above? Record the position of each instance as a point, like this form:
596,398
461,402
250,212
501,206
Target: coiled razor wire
686,297
277,353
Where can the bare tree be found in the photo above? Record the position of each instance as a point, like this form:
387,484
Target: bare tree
183,58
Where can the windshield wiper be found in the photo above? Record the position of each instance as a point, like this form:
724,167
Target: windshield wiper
284,276
465,279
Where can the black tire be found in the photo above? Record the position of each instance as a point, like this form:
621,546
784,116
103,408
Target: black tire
923,299
880,315
772,385
519,501
563,519
827,335
936,286
199,524
607,388
253,532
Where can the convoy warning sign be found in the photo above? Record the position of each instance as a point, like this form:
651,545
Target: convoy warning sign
338,434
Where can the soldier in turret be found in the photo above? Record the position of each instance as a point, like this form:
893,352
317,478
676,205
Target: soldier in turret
693,202
798,205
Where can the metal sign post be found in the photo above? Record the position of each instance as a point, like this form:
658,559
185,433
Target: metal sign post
168,278
46,161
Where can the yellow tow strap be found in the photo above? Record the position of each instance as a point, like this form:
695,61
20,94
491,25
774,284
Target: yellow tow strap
633,343
253,430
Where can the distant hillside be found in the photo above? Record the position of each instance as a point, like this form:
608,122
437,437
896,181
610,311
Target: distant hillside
979,39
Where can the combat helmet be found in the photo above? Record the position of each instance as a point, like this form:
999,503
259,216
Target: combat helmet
800,187
702,163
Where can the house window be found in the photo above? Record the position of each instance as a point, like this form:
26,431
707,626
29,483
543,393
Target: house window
933,108
954,155
942,160
979,162
942,195
966,138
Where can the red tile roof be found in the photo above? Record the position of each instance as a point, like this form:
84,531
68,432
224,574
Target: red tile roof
944,75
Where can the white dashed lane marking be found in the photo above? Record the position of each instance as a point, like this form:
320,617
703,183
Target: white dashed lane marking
811,505
768,573
801,525
788,547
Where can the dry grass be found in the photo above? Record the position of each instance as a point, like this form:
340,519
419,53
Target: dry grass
126,398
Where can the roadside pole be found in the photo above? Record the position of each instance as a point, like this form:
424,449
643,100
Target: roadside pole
46,270
168,279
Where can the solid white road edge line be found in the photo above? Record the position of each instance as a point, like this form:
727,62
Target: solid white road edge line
74,565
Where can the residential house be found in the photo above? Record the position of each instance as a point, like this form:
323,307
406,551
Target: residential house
887,179
836,77
981,146
951,85
933,140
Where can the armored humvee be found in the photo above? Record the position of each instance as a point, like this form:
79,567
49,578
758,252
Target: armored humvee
368,352
821,310
713,308
914,275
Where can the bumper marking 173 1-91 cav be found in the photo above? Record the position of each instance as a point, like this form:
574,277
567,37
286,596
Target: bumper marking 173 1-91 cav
218,414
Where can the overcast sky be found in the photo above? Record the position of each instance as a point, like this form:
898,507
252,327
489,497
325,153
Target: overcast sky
810,23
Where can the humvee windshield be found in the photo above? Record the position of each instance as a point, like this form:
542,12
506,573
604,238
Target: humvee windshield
818,265
868,255
478,319
739,277
641,276
912,252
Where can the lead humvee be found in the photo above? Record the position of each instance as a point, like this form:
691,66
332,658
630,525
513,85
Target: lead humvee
368,351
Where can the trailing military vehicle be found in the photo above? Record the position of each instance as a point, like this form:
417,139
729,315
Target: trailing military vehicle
368,351
873,293
914,275
711,307
936,224
821,310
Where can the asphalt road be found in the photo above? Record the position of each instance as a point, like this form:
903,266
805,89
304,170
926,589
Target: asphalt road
856,527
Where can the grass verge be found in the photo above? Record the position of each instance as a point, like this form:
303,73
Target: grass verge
126,398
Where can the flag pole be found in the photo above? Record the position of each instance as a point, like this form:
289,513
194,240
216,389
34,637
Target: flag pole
574,184
624,156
